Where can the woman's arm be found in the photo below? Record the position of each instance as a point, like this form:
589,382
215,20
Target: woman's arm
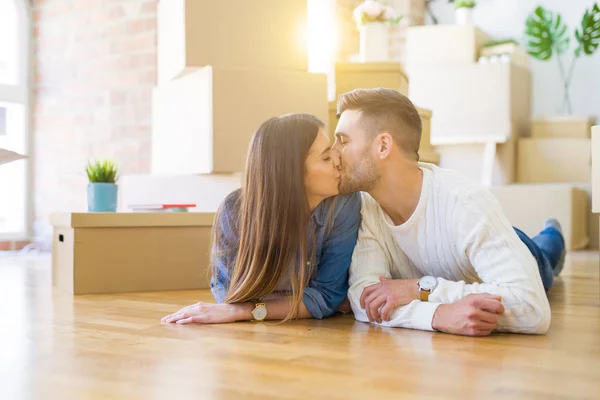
209,313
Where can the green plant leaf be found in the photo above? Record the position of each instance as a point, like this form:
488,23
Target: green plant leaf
102,171
546,33
465,4
588,34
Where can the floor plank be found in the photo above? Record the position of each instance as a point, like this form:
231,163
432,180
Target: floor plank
54,345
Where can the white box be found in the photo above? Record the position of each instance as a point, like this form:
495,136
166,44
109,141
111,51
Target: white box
203,122
527,206
481,163
474,102
230,33
206,191
435,45
554,160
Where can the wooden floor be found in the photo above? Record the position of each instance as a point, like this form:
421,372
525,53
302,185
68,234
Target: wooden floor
56,346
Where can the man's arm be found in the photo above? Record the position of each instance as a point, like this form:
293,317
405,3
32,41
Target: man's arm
370,262
504,264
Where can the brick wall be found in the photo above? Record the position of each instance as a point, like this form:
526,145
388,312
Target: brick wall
412,11
94,67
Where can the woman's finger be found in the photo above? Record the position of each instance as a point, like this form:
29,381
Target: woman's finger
188,320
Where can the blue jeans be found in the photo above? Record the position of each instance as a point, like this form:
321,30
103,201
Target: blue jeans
547,248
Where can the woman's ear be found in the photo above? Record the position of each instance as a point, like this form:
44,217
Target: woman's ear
384,145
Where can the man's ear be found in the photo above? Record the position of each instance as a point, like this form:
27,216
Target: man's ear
384,145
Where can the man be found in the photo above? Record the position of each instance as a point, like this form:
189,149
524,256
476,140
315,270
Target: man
435,251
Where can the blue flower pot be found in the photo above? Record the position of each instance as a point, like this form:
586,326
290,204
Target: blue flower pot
102,197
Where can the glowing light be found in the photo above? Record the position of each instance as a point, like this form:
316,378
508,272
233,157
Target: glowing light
322,36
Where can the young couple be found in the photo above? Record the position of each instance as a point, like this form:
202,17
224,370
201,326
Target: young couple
409,244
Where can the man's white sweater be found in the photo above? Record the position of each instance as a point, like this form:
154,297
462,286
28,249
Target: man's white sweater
460,235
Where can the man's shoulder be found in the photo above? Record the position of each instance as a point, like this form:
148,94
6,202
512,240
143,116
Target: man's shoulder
368,204
456,186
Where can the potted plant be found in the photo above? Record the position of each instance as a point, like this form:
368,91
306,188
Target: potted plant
373,19
546,35
464,11
102,187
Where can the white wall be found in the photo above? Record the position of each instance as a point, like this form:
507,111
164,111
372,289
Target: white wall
506,18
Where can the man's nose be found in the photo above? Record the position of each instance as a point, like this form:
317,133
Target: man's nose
336,157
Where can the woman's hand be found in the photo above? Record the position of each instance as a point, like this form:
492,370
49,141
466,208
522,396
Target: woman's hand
209,313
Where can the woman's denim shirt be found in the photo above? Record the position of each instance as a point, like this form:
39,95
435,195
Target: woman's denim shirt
328,286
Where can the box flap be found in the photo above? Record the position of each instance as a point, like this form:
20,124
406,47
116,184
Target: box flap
7,156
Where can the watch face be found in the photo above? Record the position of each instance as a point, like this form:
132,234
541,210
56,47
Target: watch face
260,313
428,282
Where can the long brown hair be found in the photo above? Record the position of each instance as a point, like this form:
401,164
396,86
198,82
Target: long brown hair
274,213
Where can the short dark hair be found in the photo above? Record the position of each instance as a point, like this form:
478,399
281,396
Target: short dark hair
386,110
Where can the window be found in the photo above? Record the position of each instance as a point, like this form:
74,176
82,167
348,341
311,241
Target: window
14,112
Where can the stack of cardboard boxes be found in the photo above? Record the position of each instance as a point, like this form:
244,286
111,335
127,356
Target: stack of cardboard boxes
481,101
220,75
554,180
479,109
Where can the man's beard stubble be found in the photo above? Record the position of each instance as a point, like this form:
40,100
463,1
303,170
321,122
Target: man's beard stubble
362,177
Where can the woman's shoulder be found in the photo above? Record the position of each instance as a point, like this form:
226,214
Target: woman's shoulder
342,206
231,203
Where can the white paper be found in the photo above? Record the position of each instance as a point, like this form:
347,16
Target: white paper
7,156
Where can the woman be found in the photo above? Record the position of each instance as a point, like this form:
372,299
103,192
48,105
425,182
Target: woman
282,244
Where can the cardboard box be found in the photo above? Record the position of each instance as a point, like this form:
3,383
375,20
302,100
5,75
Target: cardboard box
350,76
429,156
234,33
568,126
425,115
206,191
474,102
528,206
203,122
554,160
131,252
442,45
596,168
592,218
487,163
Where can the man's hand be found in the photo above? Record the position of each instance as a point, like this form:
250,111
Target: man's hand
474,315
389,293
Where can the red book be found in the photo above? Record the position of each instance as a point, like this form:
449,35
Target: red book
160,206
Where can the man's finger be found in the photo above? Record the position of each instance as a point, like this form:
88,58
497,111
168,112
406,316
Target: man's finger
386,311
484,325
374,306
492,305
367,291
489,317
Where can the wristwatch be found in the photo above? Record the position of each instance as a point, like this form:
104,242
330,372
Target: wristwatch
426,285
259,313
